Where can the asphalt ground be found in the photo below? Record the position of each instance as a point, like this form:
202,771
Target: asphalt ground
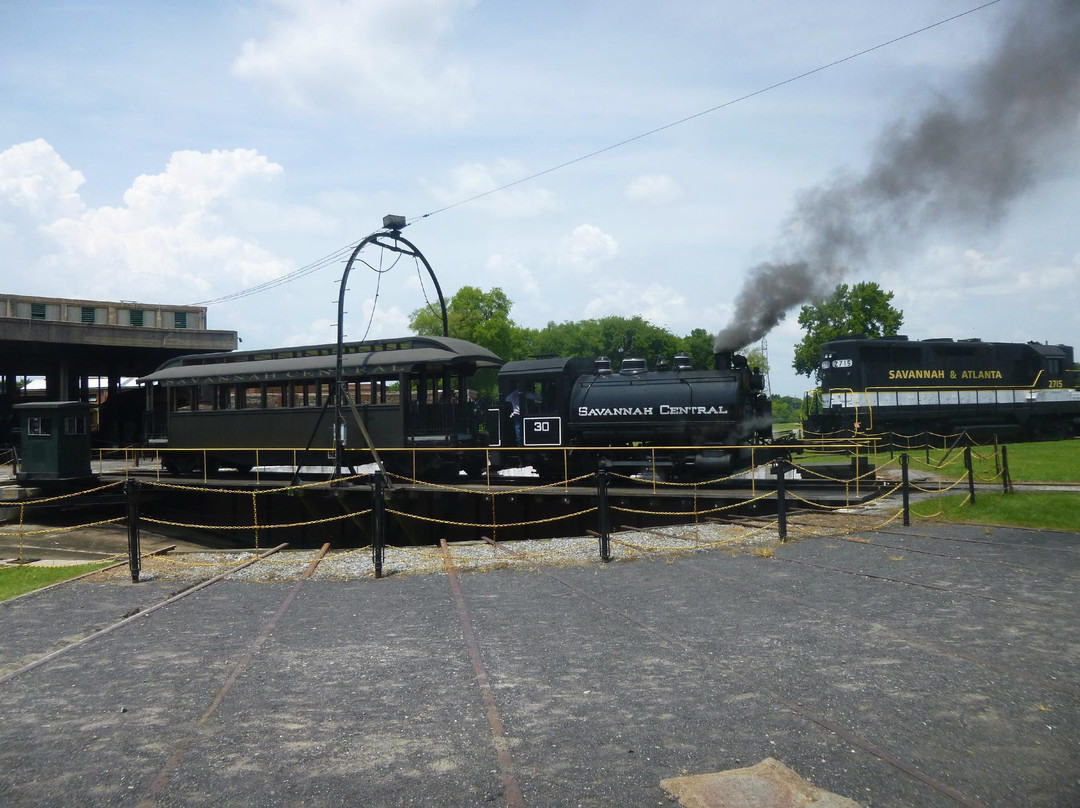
933,665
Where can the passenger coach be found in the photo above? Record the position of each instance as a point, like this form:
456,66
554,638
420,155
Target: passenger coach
272,407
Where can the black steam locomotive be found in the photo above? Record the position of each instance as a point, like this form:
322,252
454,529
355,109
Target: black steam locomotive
903,389
565,411
259,408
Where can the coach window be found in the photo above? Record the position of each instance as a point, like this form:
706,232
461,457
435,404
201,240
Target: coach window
206,397
275,396
181,399
252,397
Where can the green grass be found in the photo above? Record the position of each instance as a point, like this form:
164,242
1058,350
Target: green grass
1048,510
17,580
1052,461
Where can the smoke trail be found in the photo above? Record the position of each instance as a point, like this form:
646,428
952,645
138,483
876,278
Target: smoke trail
961,163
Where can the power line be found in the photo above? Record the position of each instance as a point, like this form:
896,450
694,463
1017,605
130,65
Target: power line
322,262
696,115
307,269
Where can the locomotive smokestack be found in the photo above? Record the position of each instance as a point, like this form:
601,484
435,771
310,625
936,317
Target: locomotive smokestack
723,360
963,162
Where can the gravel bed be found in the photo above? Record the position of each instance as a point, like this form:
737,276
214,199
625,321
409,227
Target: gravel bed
757,536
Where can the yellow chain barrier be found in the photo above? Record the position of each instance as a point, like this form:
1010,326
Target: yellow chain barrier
433,520
276,526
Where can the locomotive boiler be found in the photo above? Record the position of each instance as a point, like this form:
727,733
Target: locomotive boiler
681,420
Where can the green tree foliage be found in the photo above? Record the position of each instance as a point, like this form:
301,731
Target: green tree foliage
606,336
864,308
785,409
474,315
699,344
484,318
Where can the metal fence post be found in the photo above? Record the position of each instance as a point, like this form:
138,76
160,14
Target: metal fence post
603,515
131,488
780,469
971,473
904,488
378,522
1006,481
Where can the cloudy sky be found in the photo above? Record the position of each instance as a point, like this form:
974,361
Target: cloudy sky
180,152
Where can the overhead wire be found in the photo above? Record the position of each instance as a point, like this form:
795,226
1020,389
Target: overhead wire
296,274
708,111
322,262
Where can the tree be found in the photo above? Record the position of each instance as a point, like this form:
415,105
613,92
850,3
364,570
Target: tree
474,315
864,308
607,336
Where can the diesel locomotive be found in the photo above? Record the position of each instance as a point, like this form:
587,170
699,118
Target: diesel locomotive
559,415
900,389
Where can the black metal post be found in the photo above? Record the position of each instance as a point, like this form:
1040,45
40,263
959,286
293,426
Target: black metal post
378,522
1006,481
603,514
780,469
131,488
971,473
904,488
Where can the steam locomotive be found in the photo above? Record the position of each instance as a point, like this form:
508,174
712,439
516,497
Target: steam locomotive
902,389
567,410
270,407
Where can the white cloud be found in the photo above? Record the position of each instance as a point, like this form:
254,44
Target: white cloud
473,179
588,247
35,181
511,275
372,56
659,304
175,237
654,189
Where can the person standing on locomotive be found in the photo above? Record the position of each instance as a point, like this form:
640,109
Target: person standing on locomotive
518,401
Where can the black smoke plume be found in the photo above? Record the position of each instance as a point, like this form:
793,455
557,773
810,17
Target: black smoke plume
961,163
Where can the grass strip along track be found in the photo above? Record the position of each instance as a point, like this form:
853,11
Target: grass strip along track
138,616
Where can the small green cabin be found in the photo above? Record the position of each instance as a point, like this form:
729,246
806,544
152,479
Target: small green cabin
55,440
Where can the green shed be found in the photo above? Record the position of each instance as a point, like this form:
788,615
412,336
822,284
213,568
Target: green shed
55,441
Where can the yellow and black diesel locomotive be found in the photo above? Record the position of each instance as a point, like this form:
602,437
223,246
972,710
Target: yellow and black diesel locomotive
901,389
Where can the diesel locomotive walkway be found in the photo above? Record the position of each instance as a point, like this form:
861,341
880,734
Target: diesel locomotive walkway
934,665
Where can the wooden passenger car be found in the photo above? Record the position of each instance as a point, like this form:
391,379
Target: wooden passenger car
274,407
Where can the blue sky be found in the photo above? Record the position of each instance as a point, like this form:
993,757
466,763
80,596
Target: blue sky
178,152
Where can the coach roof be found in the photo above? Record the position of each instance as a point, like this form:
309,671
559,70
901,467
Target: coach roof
358,358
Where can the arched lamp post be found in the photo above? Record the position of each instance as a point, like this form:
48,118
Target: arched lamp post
389,238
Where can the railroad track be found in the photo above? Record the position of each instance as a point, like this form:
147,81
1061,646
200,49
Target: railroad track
687,653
